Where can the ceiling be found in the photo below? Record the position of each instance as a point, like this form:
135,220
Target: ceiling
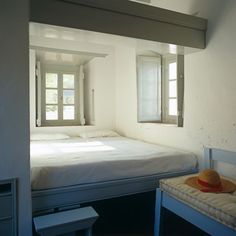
57,35
61,58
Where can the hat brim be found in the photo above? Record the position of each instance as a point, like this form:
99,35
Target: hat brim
227,186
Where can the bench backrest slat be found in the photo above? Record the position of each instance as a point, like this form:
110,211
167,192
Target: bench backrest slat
213,154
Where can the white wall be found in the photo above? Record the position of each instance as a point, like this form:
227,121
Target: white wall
89,106
32,84
126,91
210,85
14,105
100,76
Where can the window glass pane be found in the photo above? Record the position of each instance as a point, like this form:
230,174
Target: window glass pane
51,112
68,112
51,96
51,80
172,71
172,88
68,96
173,107
68,81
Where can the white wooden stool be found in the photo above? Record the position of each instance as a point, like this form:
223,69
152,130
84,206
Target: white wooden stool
66,222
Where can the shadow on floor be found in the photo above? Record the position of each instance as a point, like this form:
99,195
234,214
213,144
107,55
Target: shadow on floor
134,216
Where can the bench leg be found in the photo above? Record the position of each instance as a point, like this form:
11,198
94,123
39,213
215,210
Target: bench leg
157,224
88,232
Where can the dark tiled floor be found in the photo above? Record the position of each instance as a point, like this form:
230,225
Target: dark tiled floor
130,215
176,226
134,216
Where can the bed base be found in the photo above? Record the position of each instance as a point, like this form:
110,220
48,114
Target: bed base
72,196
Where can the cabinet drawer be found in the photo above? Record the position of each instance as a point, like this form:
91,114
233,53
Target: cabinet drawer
5,206
6,227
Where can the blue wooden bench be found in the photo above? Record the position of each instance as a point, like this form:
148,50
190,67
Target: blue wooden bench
174,196
66,222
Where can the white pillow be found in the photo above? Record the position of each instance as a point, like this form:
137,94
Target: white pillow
47,136
98,134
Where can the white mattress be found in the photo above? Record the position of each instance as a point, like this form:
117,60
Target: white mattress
58,163
221,206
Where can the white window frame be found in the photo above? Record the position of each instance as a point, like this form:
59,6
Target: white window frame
60,70
166,118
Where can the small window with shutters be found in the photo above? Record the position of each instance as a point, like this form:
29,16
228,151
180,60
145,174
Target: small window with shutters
160,84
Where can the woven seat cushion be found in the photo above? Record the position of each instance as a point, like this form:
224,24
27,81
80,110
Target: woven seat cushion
221,207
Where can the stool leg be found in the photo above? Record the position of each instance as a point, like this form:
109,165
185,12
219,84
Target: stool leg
88,232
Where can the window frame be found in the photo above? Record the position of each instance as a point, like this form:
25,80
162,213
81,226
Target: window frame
166,118
60,70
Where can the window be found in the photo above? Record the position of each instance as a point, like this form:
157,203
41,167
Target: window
172,89
169,101
59,97
160,89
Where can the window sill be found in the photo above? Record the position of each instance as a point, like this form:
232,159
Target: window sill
62,126
152,124
168,125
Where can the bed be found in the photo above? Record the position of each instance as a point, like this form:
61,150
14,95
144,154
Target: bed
76,170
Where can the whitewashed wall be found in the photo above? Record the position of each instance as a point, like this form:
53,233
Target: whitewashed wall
100,74
210,91
126,91
14,106
32,86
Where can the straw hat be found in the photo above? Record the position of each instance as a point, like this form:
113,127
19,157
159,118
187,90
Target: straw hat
210,181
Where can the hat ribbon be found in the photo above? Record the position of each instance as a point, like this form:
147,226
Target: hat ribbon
215,187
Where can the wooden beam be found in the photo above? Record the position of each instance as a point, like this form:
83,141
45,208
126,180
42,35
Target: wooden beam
122,17
144,11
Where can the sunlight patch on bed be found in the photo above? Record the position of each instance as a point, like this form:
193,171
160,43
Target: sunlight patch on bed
79,144
87,149
42,151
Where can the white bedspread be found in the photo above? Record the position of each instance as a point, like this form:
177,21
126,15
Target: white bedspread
73,161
